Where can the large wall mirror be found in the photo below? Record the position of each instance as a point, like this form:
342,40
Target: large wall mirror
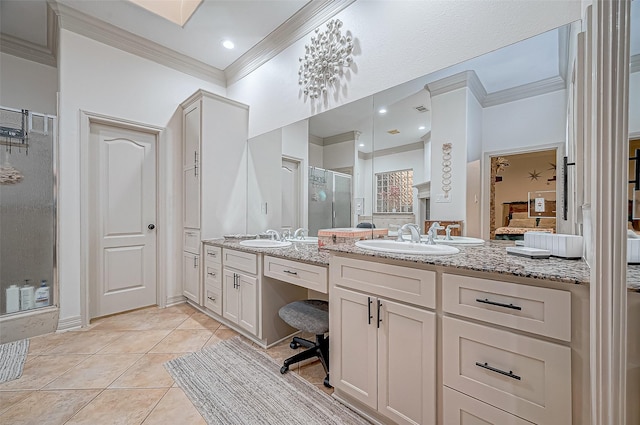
428,150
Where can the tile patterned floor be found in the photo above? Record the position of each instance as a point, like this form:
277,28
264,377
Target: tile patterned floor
113,373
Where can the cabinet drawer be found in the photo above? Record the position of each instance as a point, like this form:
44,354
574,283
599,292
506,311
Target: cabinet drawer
297,273
243,261
522,375
191,241
542,311
213,298
212,254
213,275
414,286
460,409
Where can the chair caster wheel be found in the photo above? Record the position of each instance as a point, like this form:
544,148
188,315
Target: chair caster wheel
284,369
294,345
326,382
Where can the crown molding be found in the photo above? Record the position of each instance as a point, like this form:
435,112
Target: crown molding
26,50
310,17
349,136
88,26
319,141
457,81
634,64
524,91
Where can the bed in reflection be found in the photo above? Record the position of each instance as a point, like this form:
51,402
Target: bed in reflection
520,222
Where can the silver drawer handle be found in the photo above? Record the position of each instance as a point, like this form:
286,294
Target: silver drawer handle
212,299
501,372
212,254
290,272
486,301
211,274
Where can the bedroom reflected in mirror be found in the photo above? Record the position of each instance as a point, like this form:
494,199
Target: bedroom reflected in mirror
523,194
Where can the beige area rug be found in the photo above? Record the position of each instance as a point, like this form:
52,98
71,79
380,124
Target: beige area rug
12,358
233,383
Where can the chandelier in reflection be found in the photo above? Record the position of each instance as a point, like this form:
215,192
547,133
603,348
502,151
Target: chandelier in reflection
325,57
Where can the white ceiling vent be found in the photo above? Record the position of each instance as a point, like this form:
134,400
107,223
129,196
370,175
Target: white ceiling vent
421,108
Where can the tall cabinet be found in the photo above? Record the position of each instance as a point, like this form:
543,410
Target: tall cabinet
214,178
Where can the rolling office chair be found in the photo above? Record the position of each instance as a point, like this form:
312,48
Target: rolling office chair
308,316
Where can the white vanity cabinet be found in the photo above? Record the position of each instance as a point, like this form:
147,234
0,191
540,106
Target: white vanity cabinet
213,151
241,290
191,276
383,348
499,375
213,278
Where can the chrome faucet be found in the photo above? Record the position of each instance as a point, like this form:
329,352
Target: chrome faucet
432,234
275,235
448,231
414,230
299,233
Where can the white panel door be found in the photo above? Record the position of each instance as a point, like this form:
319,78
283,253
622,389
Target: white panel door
123,217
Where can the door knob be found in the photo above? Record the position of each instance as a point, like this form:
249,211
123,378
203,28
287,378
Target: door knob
151,226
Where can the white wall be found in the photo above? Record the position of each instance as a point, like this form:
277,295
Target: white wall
338,155
28,85
316,158
105,80
434,35
530,122
634,103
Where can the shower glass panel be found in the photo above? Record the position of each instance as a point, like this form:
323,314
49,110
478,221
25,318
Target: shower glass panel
329,200
27,210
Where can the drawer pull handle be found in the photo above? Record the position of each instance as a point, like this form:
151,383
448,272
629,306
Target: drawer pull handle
501,372
486,301
211,274
290,272
212,254
212,299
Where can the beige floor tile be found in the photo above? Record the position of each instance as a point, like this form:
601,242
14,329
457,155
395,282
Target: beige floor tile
179,308
10,398
174,408
119,407
44,343
148,372
47,407
200,321
97,371
86,342
328,391
163,321
182,341
38,371
125,322
135,342
313,372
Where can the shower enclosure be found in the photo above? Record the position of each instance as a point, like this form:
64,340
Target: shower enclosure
27,211
329,200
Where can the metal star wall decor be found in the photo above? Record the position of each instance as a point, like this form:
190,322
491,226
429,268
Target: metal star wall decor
533,175
325,57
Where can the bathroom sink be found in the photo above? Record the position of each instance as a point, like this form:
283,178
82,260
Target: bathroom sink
307,239
264,243
395,247
456,240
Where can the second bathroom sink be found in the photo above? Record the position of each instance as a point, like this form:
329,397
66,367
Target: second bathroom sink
395,247
264,243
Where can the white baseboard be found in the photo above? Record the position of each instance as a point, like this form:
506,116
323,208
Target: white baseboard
176,299
68,323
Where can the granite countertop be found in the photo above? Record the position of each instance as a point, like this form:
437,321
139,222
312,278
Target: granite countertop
297,251
491,257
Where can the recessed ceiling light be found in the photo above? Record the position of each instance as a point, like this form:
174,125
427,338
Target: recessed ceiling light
382,111
228,44
422,127
361,145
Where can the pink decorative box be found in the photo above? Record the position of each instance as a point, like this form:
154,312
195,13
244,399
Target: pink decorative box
348,235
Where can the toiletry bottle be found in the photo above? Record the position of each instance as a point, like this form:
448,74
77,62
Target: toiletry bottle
42,295
13,299
26,296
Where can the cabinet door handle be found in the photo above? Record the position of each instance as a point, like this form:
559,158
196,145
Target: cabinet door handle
195,262
379,318
486,301
510,374
369,301
290,272
234,281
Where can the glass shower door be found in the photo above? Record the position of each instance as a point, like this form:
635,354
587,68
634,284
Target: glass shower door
341,200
